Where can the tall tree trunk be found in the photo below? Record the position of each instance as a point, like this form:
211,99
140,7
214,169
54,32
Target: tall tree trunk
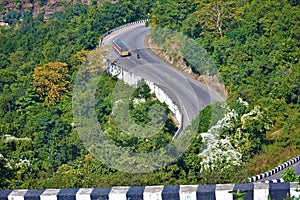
219,23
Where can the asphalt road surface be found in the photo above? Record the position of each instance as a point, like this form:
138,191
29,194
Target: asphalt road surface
189,94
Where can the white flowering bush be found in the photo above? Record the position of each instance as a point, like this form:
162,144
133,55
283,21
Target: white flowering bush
219,152
13,164
13,138
137,102
233,138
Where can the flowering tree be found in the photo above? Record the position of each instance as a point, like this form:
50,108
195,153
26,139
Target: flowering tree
233,138
52,82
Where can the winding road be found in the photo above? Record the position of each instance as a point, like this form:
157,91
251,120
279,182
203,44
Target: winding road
189,94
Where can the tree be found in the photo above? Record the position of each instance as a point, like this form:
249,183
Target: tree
12,17
17,59
77,60
3,61
52,82
191,26
172,13
215,16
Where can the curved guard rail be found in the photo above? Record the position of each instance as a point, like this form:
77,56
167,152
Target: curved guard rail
118,28
275,170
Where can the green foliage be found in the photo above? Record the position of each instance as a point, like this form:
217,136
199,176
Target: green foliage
191,27
140,104
12,17
255,46
139,108
65,38
239,195
171,14
289,175
4,61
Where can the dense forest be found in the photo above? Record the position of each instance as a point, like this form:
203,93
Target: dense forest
254,44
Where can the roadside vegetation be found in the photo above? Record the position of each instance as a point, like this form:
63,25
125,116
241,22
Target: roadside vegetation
254,44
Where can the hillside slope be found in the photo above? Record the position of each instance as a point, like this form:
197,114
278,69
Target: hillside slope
48,7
